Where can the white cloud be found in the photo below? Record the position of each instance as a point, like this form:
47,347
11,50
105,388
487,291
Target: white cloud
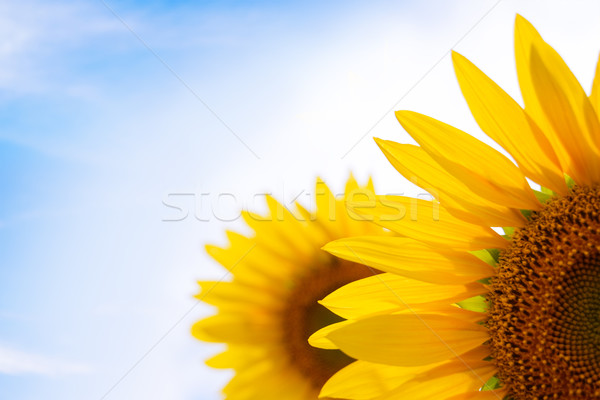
35,38
17,362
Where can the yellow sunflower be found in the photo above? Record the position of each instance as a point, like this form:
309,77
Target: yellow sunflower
431,327
266,313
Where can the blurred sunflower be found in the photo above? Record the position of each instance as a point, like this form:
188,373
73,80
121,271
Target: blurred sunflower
266,313
530,331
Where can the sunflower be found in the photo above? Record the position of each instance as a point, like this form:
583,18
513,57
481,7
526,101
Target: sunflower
269,309
462,311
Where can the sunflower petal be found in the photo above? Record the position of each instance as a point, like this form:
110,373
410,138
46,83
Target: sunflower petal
244,386
572,115
351,185
428,222
319,338
248,259
236,357
399,339
357,199
558,104
595,95
363,380
498,394
411,259
481,168
416,165
281,231
237,296
237,329
501,117
390,292
329,213
452,379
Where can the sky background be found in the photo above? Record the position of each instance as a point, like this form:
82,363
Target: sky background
132,133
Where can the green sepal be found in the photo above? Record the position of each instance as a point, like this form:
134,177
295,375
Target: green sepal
542,196
495,253
477,304
547,191
508,230
489,256
570,182
492,383
527,213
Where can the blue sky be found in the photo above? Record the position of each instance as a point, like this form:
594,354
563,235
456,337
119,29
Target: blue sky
97,133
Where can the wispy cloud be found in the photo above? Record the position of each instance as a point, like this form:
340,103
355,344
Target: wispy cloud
36,40
17,362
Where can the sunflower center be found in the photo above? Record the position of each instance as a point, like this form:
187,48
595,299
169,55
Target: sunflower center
303,316
545,302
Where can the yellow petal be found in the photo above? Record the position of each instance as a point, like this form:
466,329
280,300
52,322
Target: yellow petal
237,357
281,378
429,222
242,383
332,219
330,214
233,259
481,168
241,249
370,186
290,227
351,185
572,116
419,167
357,199
280,231
449,380
221,360
411,259
319,338
504,120
236,295
237,329
260,256
250,261
558,104
389,292
595,96
408,339
362,380
318,231
230,257
498,394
